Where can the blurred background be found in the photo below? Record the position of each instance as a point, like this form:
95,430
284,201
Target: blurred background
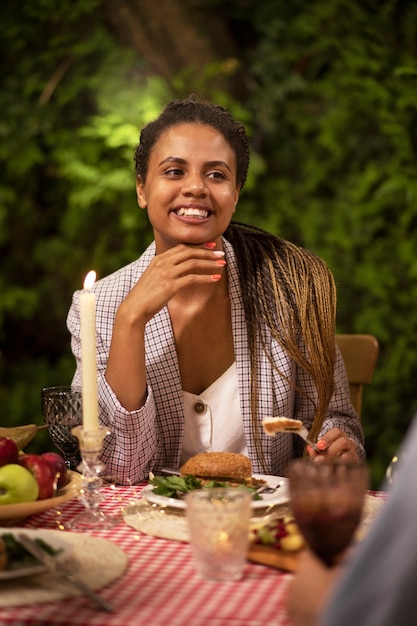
327,91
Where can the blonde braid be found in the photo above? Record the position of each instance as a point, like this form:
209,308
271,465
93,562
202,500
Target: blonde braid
292,292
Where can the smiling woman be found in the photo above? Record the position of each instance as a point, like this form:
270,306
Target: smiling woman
217,324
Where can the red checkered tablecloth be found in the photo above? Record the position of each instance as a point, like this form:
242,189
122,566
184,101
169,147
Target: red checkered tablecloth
160,586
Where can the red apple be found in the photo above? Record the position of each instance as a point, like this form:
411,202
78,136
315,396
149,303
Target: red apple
43,472
9,452
58,464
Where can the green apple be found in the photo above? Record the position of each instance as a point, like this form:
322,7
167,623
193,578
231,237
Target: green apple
17,484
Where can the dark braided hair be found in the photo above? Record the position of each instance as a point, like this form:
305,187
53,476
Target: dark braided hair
292,292
191,110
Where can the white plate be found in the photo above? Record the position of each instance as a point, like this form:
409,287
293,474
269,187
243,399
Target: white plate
280,496
28,569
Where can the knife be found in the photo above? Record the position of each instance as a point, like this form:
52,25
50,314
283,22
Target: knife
170,471
53,565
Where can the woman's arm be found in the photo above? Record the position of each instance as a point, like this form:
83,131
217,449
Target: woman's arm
132,443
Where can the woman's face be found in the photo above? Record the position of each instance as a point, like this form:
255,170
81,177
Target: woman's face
190,190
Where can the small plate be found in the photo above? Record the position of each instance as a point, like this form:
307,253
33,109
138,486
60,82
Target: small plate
29,569
280,496
12,514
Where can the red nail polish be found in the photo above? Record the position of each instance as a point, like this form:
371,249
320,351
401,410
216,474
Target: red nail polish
322,445
220,262
210,244
216,277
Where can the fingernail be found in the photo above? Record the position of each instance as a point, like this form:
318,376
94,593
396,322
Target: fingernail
218,252
210,244
308,448
220,262
216,277
322,444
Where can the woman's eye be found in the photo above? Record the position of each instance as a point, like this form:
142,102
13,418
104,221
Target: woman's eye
175,171
216,174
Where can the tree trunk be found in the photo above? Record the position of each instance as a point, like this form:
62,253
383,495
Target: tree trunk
176,35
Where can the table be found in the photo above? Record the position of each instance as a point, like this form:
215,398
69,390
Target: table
160,586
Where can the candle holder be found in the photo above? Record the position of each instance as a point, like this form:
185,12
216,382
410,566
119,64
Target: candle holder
91,445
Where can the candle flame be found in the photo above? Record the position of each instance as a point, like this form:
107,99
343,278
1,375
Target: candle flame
90,279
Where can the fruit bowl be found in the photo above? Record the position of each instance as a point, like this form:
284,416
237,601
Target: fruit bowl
13,514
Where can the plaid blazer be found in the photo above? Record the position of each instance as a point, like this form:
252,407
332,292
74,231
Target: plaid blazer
150,438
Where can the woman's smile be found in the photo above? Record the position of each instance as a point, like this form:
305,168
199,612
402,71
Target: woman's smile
192,214
190,191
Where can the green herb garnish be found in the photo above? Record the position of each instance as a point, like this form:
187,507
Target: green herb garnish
16,553
174,486
178,486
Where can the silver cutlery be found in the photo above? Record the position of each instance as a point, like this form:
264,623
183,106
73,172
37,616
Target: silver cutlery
268,489
170,471
55,566
303,433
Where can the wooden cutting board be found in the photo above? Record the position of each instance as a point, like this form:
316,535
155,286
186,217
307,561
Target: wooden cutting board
286,561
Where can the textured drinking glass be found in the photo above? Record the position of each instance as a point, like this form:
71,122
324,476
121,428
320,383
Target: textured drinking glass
62,411
327,502
218,523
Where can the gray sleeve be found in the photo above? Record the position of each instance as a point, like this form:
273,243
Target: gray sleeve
379,584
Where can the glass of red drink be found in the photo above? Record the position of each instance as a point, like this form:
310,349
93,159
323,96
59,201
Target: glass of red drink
327,501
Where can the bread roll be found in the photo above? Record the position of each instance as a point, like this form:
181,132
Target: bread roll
219,465
274,425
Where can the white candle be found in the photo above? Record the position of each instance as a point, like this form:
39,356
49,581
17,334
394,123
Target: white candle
88,355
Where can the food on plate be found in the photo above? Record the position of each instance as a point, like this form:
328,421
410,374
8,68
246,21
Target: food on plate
17,484
209,469
22,435
3,555
279,534
44,473
274,425
178,486
15,553
224,466
9,452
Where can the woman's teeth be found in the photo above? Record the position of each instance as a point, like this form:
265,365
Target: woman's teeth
192,212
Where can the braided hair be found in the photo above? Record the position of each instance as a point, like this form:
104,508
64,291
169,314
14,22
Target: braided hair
292,292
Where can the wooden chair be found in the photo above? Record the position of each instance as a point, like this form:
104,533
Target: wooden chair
360,354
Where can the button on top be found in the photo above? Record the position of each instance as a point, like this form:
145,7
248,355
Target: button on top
200,408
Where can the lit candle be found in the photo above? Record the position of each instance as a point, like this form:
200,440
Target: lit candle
88,355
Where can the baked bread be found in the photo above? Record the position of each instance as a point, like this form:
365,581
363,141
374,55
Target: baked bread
222,466
274,425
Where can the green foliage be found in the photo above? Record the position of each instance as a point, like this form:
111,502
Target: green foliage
332,117
335,95
73,104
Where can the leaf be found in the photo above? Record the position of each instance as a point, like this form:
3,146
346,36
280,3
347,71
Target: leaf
177,486
172,486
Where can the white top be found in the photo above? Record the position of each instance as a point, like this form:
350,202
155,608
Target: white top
213,422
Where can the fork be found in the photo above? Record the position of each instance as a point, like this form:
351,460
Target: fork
55,566
303,433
